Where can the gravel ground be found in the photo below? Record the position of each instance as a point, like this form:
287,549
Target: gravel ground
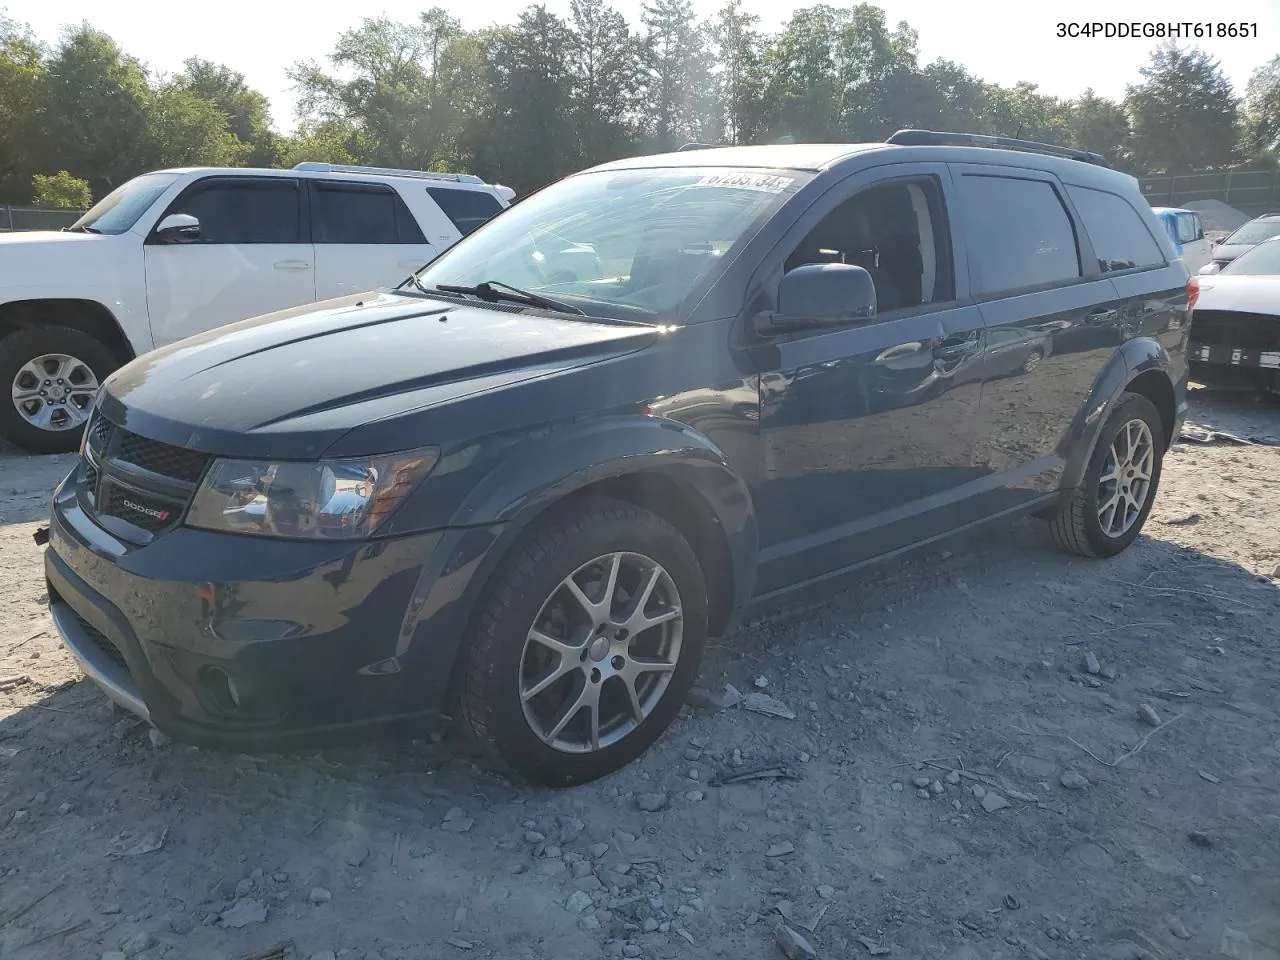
998,752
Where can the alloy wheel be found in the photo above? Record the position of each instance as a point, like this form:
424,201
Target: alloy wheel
601,653
54,391
1125,482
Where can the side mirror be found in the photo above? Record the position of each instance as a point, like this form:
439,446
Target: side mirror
177,228
822,295
1209,269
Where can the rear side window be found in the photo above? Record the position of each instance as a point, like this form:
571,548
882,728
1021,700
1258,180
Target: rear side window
1022,234
361,213
1189,229
244,211
467,209
1120,239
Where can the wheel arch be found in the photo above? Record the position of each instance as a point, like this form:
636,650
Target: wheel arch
1141,366
87,316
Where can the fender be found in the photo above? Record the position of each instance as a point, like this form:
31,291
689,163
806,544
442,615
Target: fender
1131,360
610,447
501,506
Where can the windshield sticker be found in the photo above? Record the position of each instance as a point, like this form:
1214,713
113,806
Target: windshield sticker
765,183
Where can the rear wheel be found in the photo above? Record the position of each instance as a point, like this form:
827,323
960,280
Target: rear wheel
52,375
1107,511
585,644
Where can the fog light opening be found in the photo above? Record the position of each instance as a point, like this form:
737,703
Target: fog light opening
221,689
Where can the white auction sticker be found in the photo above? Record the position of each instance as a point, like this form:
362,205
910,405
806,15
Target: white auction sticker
766,183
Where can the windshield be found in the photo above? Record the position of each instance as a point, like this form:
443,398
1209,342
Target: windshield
626,244
1262,261
1255,232
120,209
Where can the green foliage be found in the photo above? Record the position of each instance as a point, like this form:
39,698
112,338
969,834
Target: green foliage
1184,114
531,101
61,190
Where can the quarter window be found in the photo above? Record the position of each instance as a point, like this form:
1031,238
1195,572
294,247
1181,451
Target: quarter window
1022,234
361,213
244,211
466,209
1121,241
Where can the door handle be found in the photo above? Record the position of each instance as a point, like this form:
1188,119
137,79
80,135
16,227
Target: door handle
1098,317
957,348
292,265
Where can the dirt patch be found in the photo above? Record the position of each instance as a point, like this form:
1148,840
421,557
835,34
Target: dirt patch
959,782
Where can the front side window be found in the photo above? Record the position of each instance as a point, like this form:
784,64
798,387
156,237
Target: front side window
1121,241
626,244
1022,235
124,206
244,211
897,232
361,213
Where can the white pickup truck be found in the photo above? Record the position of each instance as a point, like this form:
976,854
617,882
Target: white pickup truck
177,252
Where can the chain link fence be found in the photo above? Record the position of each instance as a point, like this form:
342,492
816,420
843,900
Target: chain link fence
36,218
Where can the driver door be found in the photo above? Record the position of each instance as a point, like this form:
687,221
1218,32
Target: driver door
868,431
252,256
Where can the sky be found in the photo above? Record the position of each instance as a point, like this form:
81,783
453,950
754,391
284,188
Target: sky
999,40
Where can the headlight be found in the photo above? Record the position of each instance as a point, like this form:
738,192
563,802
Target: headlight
329,499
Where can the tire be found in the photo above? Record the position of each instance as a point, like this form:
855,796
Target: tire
1079,524
90,363
504,663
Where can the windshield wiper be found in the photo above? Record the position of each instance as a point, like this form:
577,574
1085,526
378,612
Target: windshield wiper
495,290
84,229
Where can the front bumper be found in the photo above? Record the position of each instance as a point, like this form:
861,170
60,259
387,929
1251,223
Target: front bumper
245,642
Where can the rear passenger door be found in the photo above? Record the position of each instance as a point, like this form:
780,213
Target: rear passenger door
1053,320
365,237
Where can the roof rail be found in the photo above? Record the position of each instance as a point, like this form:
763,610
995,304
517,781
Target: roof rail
696,146
315,167
924,138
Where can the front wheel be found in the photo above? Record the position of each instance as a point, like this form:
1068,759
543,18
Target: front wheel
52,375
585,644
1107,511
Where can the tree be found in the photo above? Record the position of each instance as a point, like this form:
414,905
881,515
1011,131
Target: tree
803,92
184,129
95,112
679,105
61,190
1262,109
384,60
738,50
603,71
1184,114
875,71
21,93
247,112
531,142
1099,125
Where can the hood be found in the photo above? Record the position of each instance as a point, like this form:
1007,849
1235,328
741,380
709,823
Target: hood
37,258
1226,252
1240,294
289,384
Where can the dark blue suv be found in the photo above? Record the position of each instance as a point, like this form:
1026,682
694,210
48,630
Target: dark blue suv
530,483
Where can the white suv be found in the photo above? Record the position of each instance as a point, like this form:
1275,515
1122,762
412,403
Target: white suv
177,252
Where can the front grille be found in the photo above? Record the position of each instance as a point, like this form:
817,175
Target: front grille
162,458
1232,329
114,484
102,643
